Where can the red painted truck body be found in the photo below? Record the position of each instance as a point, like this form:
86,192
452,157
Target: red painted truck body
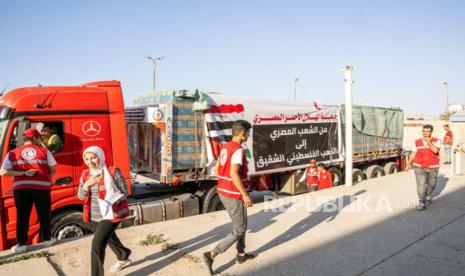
88,115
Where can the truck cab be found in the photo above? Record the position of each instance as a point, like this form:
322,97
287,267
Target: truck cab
82,116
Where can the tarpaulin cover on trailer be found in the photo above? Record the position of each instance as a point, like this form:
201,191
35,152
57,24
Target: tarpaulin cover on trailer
377,121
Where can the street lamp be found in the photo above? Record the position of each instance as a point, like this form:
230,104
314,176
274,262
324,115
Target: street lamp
295,88
446,90
154,61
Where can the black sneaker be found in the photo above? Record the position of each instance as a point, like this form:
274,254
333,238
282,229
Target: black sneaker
208,260
240,259
428,201
421,206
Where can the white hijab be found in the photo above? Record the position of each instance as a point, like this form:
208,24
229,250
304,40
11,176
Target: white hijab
107,178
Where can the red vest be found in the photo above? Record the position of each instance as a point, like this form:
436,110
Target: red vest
425,157
121,208
450,136
326,180
27,157
225,184
312,177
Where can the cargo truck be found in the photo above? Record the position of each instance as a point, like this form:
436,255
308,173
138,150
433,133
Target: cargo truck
166,147
195,124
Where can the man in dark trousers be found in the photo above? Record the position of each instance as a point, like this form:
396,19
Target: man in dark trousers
32,167
231,170
425,160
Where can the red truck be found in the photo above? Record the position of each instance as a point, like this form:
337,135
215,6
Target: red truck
170,144
83,116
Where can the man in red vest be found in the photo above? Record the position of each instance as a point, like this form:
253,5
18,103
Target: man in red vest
448,141
425,159
32,167
311,176
232,173
325,179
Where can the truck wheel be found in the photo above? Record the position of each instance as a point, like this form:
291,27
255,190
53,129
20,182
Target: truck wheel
216,204
336,173
391,167
357,176
211,201
374,171
69,224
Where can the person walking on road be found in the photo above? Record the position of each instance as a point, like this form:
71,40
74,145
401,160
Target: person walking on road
425,160
448,141
32,167
231,170
92,190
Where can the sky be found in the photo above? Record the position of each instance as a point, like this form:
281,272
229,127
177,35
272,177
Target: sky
401,51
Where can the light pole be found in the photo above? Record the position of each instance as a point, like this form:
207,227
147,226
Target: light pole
446,90
348,130
154,61
295,88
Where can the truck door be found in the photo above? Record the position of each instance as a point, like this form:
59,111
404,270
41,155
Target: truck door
63,188
90,130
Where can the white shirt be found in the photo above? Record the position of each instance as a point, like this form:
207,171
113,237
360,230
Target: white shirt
7,164
436,144
237,157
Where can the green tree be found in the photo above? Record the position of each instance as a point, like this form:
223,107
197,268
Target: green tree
445,116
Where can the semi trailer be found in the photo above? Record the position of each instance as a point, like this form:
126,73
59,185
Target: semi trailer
167,144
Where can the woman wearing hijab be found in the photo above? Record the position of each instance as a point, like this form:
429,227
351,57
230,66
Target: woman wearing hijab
93,188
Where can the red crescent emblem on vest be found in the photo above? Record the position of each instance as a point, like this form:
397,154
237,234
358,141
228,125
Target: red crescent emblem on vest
91,128
28,153
223,157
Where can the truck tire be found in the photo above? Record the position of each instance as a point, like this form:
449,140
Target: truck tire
391,167
374,171
336,174
211,201
357,176
69,224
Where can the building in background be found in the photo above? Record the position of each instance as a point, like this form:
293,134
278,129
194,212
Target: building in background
456,108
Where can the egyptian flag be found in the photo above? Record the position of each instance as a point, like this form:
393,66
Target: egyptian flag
219,120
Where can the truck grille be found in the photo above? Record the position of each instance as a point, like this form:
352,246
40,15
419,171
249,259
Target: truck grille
134,115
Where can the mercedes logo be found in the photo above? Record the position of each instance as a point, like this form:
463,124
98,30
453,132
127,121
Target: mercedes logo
91,128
